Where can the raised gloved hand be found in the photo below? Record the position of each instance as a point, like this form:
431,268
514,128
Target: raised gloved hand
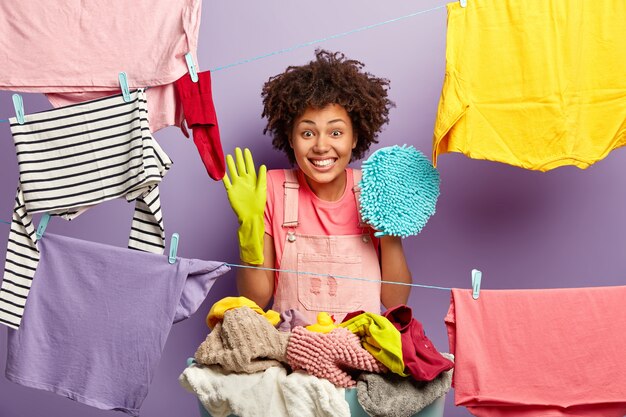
247,194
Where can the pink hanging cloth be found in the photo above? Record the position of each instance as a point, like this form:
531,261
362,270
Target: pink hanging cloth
74,50
540,353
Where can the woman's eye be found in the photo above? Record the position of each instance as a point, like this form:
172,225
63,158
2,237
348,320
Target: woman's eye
307,134
336,133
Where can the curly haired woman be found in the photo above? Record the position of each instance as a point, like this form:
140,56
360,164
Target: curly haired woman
323,115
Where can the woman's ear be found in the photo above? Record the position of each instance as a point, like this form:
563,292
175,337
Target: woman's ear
354,141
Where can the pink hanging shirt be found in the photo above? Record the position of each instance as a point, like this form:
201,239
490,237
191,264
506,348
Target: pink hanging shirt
78,48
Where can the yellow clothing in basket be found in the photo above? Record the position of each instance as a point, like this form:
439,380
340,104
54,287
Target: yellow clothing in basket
216,314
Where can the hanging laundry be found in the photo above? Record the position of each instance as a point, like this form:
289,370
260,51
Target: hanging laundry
164,106
77,49
98,317
533,84
538,353
71,159
269,393
199,113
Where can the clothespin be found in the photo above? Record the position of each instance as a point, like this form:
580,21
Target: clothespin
18,104
173,248
463,3
43,223
476,278
124,86
191,66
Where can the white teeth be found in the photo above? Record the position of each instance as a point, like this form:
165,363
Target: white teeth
323,162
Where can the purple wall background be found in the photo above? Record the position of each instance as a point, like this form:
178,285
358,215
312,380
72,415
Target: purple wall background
523,229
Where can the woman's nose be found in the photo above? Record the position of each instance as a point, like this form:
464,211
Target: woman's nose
322,144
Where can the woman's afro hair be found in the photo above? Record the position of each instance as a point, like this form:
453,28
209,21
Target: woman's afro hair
330,79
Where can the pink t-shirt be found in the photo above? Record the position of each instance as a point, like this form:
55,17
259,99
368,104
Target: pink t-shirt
315,216
75,50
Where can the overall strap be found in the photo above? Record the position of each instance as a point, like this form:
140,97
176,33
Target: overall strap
356,176
290,215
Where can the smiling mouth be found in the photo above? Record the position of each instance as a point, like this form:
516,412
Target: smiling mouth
322,163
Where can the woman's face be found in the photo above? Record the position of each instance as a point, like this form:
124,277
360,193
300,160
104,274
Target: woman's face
322,141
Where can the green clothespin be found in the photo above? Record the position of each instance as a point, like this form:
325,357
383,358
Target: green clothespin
476,278
43,223
18,104
191,66
124,86
173,248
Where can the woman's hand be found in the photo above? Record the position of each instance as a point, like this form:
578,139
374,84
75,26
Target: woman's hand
246,193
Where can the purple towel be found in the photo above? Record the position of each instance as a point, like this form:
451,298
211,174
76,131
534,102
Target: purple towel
98,317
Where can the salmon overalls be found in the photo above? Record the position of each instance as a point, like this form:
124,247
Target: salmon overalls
332,257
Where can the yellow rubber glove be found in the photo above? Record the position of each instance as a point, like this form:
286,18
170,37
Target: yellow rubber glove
380,338
247,193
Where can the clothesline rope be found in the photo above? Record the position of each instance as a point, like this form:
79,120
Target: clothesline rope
327,38
316,41
434,287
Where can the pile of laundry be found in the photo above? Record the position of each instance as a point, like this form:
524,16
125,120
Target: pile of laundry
255,360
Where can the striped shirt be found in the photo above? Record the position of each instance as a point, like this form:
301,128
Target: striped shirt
71,159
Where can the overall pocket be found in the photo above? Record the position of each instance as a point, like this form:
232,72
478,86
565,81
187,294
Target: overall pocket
325,292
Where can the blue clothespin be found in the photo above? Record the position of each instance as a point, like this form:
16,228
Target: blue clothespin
124,86
463,3
18,104
193,70
43,223
173,248
476,278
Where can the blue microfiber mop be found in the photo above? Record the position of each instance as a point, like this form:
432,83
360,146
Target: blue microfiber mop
399,190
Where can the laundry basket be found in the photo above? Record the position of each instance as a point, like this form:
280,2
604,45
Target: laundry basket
433,410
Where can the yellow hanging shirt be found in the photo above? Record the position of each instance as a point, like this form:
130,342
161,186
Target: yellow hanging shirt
536,84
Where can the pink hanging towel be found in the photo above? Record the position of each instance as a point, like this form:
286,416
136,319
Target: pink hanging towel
74,50
540,353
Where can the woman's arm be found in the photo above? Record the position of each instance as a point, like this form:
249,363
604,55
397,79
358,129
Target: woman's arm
394,268
247,194
256,284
